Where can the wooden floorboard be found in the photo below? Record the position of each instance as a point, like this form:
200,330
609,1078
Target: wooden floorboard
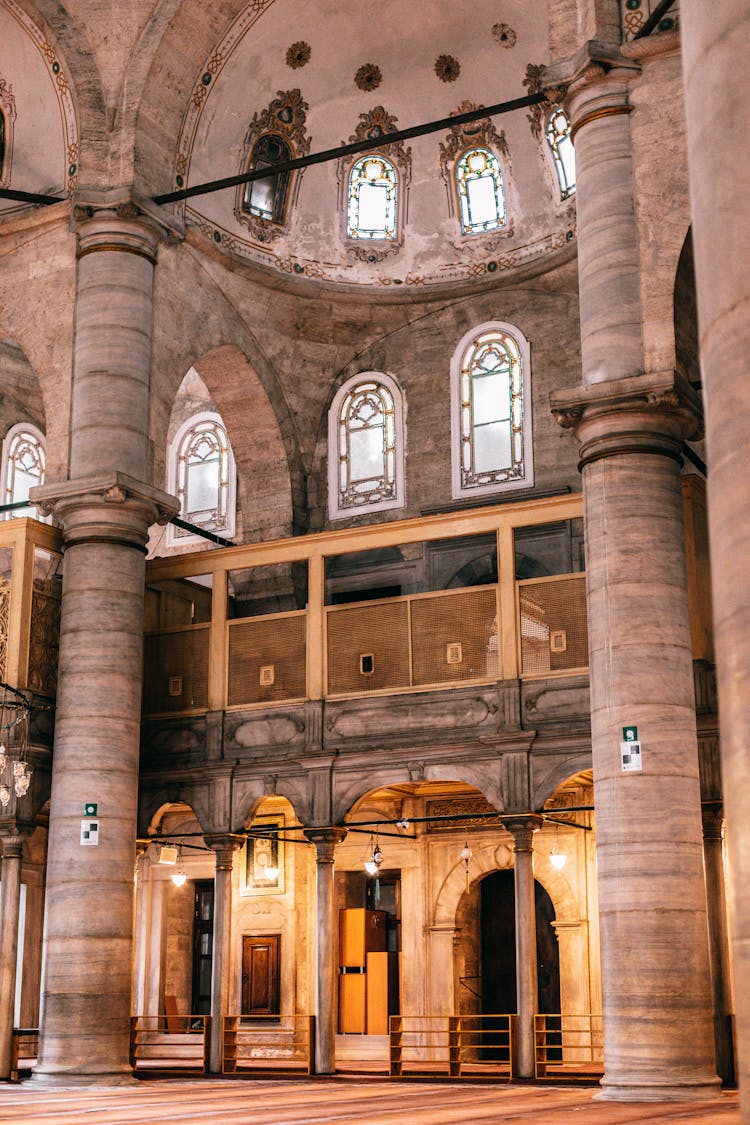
339,1102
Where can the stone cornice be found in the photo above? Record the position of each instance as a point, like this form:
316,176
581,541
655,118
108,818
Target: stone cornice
657,45
120,205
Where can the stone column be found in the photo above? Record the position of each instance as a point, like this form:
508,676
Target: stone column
658,1033
714,48
105,510
325,840
11,903
224,848
523,831
718,941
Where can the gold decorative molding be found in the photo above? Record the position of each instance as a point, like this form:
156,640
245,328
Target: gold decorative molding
595,114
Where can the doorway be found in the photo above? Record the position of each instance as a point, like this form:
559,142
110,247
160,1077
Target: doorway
203,946
260,974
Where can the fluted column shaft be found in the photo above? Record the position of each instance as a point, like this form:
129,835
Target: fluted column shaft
222,945
325,840
11,903
526,956
717,110
105,510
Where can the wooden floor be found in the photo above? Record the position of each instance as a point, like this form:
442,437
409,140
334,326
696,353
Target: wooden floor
337,1102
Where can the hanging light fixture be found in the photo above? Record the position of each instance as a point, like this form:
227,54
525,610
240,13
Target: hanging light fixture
466,854
372,865
179,878
15,775
557,858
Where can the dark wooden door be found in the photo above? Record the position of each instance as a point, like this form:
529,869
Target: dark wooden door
203,943
260,974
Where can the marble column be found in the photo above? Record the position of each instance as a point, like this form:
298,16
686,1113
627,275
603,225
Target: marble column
105,511
658,1032
717,110
224,848
718,940
11,902
325,841
523,831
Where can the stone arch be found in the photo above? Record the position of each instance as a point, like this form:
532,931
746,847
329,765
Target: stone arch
349,791
155,803
555,773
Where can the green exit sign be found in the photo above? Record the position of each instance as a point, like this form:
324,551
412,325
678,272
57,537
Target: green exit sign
630,734
90,809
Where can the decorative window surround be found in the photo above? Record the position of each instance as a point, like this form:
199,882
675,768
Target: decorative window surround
23,466
473,443
395,160
348,495
202,436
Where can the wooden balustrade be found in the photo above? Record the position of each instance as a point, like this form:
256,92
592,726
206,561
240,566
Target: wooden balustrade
277,1045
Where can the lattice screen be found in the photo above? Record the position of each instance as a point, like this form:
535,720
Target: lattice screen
452,637
44,639
176,671
267,659
554,634
379,632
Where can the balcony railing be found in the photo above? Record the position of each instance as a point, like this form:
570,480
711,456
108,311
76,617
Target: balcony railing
209,645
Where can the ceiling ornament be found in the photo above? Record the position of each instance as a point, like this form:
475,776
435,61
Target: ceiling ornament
284,117
447,68
504,34
480,133
368,77
533,84
298,54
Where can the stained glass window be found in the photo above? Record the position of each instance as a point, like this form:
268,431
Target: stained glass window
481,198
366,445
266,197
563,153
372,210
491,419
24,467
205,476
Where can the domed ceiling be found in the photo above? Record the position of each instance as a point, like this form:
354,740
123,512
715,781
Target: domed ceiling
324,74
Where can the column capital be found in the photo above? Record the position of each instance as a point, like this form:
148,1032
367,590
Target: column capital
224,848
325,840
122,222
11,846
651,413
596,65
522,829
108,507
712,815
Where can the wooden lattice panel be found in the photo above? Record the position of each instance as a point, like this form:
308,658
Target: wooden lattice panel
380,631
44,640
267,660
176,671
452,637
554,633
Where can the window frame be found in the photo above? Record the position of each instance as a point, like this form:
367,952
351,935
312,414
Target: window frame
462,491
554,155
176,537
279,215
8,440
369,239
470,232
335,509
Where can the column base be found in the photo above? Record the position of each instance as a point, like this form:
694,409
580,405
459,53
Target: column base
81,1078
654,1090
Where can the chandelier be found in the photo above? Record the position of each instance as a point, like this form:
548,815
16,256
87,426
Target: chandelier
15,775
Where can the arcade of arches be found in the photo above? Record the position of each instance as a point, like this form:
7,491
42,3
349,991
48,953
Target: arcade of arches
361,660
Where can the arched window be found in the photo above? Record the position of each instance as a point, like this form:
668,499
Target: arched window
203,476
266,198
366,446
24,464
481,197
491,411
372,208
563,153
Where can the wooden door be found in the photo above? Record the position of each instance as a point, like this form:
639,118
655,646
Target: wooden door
260,974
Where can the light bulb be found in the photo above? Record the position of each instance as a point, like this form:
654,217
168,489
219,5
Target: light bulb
179,878
272,874
371,867
466,853
558,860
